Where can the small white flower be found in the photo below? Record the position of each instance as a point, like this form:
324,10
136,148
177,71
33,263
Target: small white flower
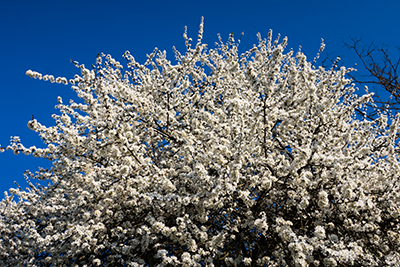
319,232
323,201
247,261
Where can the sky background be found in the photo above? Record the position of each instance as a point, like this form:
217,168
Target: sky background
44,35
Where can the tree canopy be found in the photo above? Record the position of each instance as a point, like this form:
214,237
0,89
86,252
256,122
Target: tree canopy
218,159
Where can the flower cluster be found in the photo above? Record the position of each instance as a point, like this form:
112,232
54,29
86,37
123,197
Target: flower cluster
219,159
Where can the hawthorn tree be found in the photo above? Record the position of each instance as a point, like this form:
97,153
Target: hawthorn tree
221,159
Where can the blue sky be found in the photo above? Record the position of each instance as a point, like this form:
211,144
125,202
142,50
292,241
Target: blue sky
45,35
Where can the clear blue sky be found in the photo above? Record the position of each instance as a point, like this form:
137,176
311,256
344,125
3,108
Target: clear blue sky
45,35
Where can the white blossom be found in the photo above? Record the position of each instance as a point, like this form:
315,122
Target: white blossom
319,232
217,159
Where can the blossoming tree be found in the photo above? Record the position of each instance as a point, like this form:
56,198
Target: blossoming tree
221,159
